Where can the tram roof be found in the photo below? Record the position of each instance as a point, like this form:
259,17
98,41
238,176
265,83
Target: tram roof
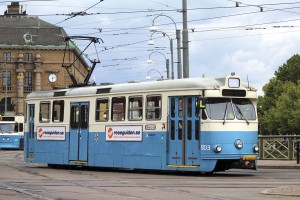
178,84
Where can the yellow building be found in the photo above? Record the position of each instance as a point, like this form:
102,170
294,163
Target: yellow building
32,53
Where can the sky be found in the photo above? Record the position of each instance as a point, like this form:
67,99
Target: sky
252,38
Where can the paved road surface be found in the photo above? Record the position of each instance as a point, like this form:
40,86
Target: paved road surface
19,180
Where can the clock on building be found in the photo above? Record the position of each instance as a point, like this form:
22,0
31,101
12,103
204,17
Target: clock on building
52,78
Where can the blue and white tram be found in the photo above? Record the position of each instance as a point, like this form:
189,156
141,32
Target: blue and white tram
11,132
195,124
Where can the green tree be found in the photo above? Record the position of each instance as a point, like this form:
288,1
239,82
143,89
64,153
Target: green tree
290,71
279,108
284,117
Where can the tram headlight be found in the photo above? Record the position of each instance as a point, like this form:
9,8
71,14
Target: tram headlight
238,144
218,149
255,148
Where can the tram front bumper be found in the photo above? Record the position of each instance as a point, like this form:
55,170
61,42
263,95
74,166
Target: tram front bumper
246,162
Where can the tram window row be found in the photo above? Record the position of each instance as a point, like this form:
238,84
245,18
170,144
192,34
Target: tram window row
109,108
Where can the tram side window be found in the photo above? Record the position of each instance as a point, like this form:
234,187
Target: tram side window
84,116
58,111
135,108
172,107
74,117
102,110
118,108
153,109
44,112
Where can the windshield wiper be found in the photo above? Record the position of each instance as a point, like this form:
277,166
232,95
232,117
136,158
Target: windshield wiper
240,112
225,113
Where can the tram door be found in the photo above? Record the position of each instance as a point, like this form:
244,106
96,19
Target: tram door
184,131
79,131
30,135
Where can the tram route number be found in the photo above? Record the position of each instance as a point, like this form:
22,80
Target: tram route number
205,147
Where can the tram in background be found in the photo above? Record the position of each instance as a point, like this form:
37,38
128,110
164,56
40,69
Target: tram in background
194,124
11,132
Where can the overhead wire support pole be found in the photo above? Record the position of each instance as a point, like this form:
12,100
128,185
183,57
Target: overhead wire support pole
179,65
185,41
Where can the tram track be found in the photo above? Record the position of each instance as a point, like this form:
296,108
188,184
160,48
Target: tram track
108,189
24,191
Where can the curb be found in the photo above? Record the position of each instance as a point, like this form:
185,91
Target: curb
277,167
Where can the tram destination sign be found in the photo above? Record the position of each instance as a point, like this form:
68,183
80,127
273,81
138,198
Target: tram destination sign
51,133
124,133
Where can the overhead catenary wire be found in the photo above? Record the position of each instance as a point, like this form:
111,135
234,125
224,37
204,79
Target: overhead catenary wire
244,26
80,13
262,7
121,31
109,30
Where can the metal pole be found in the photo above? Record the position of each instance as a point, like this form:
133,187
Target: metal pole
172,62
179,68
167,67
5,105
298,152
291,149
185,41
261,148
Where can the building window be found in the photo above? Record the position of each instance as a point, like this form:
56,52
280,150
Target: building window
44,112
153,110
28,57
6,56
28,82
102,110
58,111
135,108
6,81
118,108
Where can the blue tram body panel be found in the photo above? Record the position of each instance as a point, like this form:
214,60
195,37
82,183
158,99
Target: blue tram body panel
50,152
145,154
226,140
11,141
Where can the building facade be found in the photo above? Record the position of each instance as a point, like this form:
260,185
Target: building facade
33,53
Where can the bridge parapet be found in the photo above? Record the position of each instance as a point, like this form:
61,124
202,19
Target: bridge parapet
278,147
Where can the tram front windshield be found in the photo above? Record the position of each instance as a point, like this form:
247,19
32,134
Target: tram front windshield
230,109
7,128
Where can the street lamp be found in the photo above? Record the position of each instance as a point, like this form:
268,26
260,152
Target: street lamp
149,61
153,28
151,42
148,77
